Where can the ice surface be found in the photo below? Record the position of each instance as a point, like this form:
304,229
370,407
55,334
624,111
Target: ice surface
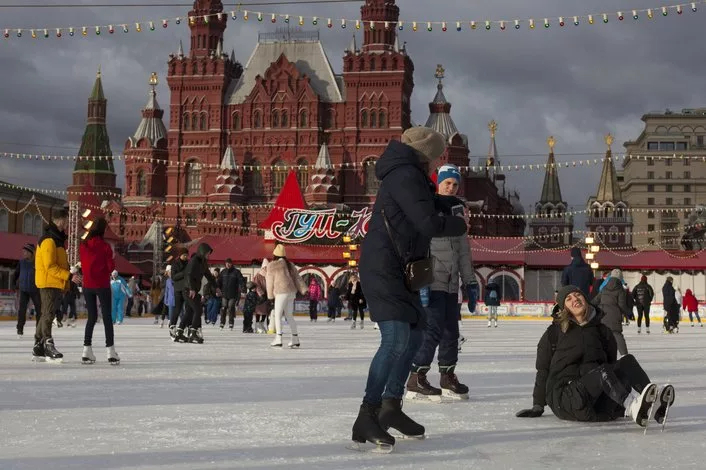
235,403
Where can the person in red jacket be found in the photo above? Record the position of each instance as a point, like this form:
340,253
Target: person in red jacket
97,264
691,305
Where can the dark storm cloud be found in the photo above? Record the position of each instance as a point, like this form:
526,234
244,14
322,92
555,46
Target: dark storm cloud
576,83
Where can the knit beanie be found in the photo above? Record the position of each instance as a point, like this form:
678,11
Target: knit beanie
643,279
564,292
448,171
427,142
29,247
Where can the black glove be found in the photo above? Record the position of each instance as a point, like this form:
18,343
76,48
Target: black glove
535,412
445,203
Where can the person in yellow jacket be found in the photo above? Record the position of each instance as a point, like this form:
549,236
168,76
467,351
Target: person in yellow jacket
51,274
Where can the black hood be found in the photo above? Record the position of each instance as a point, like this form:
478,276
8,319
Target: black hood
53,232
204,249
397,155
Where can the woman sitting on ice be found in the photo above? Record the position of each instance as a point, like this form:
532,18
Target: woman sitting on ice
584,381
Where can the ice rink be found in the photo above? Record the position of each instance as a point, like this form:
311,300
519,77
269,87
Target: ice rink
234,403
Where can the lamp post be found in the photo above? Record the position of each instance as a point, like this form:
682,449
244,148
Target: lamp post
592,250
350,255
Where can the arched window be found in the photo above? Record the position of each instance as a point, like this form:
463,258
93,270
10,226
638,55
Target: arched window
278,175
373,119
187,122
303,119
383,64
28,224
253,178
330,122
141,183
613,235
235,125
204,122
382,120
195,67
4,221
364,118
303,173
275,118
38,224
509,288
192,173
600,234
285,120
555,235
371,182
257,119
542,234
372,63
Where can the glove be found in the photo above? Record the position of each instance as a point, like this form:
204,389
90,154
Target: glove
535,412
473,292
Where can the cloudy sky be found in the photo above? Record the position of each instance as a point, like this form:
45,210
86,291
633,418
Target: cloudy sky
576,83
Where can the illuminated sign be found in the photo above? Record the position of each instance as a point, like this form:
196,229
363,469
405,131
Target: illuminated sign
301,225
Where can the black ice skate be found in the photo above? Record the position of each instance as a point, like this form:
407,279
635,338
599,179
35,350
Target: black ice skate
638,405
195,335
419,388
666,400
450,386
38,352
367,429
392,416
50,352
179,336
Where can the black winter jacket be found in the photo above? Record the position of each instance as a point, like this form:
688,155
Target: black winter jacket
612,300
231,283
178,279
670,300
406,195
197,269
545,351
355,298
643,294
578,274
490,302
580,350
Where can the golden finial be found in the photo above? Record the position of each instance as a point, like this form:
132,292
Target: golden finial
154,81
439,74
98,75
493,127
551,141
609,140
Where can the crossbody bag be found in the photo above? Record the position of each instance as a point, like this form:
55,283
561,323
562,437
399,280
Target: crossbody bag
417,274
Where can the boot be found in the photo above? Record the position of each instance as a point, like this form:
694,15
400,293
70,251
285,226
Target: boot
50,352
294,343
87,357
666,400
38,352
489,324
392,416
419,388
179,336
113,358
353,325
277,342
638,330
196,336
637,405
367,428
450,386
362,323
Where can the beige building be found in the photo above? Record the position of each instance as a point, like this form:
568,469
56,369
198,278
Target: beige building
666,179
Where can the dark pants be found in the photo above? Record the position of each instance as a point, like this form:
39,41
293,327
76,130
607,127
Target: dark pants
128,309
49,299
332,311
671,319
391,364
68,305
178,306
229,311
247,320
620,340
104,296
355,310
697,317
600,394
213,306
643,310
192,313
441,330
25,297
313,309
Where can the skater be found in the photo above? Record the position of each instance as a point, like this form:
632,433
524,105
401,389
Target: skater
52,279
643,294
178,268
585,381
283,283
314,295
156,295
134,294
452,258
120,291
168,295
333,301
24,279
405,219
671,306
195,271
356,301
262,310
97,260
231,282
691,305
578,273
612,301
68,301
213,300
492,301
250,304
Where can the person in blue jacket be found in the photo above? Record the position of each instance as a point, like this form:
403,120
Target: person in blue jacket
24,278
407,214
120,292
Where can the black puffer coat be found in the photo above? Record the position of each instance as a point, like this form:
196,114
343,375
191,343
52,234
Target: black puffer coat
197,269
578,351
231,282
612,300
406,195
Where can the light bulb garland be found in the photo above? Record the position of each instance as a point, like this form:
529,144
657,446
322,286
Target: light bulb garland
370,24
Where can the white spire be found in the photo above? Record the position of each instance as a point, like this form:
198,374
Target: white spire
180,53
353,47
228,162
323,161
219,49
397,44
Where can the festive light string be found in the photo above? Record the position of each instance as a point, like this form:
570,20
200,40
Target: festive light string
540,22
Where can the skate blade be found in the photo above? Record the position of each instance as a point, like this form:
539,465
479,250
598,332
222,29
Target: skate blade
650,399
114,363
294,346
87,361
38,359
398,435
454,396
419,397
370,448
50,360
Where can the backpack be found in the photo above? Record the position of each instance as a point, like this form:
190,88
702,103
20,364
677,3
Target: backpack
493,295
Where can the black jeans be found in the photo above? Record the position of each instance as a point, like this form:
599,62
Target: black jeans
313,309
178,306
441,330
355,310
643,310
25,297
104,296
68,305
128,309
192,313
247,320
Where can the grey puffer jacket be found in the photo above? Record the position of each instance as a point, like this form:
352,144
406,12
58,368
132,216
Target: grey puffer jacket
612,301
452,257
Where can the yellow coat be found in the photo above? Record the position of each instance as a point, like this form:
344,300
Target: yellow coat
51,266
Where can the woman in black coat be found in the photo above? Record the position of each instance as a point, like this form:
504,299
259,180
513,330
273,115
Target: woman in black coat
406,215
356,301
585,382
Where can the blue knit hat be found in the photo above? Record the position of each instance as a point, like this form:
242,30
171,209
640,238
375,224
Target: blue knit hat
448,171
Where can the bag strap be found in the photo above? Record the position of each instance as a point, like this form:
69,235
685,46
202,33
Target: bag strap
389,233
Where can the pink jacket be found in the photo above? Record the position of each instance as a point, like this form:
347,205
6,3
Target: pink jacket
314,291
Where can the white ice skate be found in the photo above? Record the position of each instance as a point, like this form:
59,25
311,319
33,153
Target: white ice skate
87,357
495,323
362,324
113,358
277,342
294,343
639,405
353,325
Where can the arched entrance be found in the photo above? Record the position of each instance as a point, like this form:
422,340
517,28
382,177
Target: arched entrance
509,288
307,279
